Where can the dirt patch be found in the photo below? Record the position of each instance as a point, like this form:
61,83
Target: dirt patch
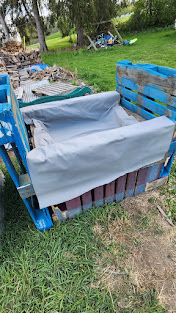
154,266
144,246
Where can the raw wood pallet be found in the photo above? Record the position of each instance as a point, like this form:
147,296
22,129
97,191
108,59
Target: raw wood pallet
58,88
26,90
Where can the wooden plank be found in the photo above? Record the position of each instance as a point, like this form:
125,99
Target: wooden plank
91,41
147,103
26,189
147,77
149,91
58,88
156,183
117,32
141,180
154,172
120,187
64,215
87,200
99,196
73,204
166,168
130,185
134,108
159,95
110,192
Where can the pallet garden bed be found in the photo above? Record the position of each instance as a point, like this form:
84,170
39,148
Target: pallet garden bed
145,89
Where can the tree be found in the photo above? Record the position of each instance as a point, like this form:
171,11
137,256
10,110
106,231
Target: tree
82,14
151,13
27,12
4,25
39,25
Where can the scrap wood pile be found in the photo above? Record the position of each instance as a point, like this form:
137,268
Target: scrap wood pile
52,73
17,63
15,58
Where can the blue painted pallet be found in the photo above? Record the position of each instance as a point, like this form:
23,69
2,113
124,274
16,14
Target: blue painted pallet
150,91
13,131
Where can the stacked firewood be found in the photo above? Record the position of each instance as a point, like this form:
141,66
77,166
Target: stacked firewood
16,62
2,66
21,59
12,47
16,58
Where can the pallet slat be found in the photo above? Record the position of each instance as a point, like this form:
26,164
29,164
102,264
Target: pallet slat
98,196
73,204
87,200
130,185
110,192
120,187
141,180
134,108
148,76
147,103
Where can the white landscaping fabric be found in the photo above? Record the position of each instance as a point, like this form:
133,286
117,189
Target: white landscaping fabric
82,143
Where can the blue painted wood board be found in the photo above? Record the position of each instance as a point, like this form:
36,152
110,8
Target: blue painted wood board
134,108
146,103
148,74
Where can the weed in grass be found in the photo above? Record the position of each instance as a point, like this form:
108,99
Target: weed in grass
151,200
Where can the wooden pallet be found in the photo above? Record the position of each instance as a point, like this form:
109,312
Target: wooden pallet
131,184
58,88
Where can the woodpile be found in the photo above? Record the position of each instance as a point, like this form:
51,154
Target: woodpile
15,58
52,73
12,47
2,66
16,63
21,59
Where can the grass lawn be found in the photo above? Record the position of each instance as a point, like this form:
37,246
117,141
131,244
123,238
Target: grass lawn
72,267
56,42
98,68
91,264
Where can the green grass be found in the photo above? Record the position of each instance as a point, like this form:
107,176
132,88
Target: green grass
57,270
99,68
169,191
60,43
56,42
55,35
121,19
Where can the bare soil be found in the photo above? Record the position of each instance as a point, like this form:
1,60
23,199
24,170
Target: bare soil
148,251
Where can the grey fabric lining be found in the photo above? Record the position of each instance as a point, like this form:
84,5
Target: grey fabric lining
86,142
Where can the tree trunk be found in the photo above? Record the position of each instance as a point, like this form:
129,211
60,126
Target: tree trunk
150,7
39,25
80,35
4,27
